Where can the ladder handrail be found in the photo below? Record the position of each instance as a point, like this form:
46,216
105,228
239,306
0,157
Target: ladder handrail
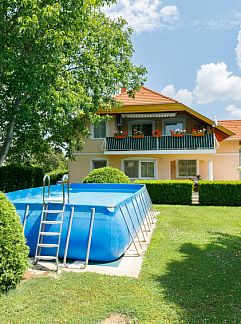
65,180
46,176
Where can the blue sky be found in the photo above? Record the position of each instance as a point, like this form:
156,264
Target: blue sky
191,49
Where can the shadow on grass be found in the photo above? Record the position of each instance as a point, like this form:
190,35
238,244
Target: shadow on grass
206,284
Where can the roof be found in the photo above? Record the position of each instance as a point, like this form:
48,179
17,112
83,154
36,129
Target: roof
144,96
233,125
147,100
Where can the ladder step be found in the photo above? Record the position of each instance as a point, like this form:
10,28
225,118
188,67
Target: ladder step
52,211
53,199
46,257
51,222
48,245
49,233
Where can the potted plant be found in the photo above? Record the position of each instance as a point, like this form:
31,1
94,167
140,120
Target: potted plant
120,134
198,132
137,133
178,132
157,133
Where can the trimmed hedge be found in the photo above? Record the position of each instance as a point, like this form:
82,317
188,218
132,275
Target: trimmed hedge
219,193
106,175
13,250
171,192
15,177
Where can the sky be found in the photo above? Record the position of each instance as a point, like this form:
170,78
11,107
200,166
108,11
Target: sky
191,49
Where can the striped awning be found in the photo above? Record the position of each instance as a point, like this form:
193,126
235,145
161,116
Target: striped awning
150,115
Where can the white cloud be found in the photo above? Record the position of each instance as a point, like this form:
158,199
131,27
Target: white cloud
183,95
222,21
215,82
170,12
144,15
234,111
238,50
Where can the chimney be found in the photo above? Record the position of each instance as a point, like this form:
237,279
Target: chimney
123,90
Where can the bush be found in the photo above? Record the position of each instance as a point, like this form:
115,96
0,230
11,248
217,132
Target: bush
56,175
106,175
13,250
15,177
171,192
220,193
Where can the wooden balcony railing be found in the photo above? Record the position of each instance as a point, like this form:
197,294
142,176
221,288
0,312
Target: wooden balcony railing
166,142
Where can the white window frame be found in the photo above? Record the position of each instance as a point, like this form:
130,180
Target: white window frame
173,120
97,159
185,177
92,131
139,167
140,122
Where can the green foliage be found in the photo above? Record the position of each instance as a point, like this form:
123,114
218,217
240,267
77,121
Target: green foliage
220,193
59,62
13,250
14,177
49,160
56,175
190,274
170,192
106,175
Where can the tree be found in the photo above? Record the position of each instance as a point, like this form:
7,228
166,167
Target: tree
59,62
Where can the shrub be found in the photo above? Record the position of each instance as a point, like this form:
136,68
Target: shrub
13,250
172,192
106,175
220,193
14,177
56,175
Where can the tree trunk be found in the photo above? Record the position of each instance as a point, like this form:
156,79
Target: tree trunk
10,132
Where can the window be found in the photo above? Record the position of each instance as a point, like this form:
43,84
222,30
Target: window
187,168
131,168
147,169
139,169
172,126
96,164
144,126
99,130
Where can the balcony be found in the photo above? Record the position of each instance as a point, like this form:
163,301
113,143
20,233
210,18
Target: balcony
166,144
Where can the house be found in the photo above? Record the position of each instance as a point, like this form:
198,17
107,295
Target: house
174,142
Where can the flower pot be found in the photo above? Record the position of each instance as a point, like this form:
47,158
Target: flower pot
177,135
198,134
157,135
137,136
120,136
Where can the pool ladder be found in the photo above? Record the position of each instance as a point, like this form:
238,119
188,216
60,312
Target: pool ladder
60,200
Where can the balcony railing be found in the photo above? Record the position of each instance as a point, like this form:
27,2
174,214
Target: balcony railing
166,142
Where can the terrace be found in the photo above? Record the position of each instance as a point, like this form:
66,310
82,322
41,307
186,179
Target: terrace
166,144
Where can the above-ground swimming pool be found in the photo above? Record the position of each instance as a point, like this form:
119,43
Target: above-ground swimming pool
120,210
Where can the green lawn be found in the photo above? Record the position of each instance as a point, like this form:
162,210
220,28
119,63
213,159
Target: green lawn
191,274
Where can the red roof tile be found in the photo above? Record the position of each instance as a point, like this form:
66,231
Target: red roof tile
232,125
144,96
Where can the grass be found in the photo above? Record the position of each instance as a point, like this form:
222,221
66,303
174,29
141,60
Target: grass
191,274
